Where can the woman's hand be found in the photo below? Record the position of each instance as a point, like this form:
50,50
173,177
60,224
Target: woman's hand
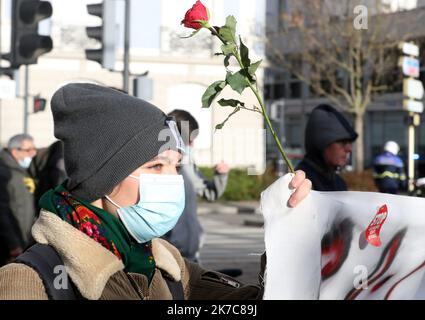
302,188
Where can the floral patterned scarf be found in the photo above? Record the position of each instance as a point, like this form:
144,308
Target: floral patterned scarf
102,227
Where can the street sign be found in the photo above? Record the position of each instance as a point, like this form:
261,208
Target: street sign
409,48
413,88
410,66
7,89
413,106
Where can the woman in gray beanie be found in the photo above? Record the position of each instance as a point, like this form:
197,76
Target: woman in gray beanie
98,233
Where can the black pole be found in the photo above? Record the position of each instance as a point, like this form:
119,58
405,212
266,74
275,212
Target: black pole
126,72
26,99
1,29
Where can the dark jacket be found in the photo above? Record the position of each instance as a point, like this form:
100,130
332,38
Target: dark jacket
17,212
47,169
98,274
325,126
187,234
389,173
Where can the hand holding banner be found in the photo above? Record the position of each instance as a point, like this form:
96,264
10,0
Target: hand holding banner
319,250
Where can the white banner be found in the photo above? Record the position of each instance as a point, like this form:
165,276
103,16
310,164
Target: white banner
343,245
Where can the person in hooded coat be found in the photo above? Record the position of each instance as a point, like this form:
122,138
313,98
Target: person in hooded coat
328,144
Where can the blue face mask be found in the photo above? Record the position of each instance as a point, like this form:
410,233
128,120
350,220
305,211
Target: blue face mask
162,200
25,163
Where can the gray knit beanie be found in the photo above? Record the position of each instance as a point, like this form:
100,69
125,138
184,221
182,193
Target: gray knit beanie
107,135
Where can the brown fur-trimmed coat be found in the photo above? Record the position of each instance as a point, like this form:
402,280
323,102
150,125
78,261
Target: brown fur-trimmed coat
99,274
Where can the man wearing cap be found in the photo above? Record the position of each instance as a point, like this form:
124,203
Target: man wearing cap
99,232
328,144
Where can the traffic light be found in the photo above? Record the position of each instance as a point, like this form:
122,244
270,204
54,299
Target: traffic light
39,104
105,34
27,45
9,72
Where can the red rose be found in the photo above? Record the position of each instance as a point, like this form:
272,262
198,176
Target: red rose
198,12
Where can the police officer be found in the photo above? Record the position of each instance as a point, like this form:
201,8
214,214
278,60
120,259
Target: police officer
389,170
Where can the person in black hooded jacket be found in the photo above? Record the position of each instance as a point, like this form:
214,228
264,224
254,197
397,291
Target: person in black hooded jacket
328,144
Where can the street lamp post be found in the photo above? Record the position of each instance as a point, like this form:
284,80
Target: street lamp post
412,91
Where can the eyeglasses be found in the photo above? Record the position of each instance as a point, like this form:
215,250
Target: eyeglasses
28,149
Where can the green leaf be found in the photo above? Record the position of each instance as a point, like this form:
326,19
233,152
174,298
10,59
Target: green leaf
211,93
237,81
221,125
244,72
192,34
228,48
228,31
226,61
230,103
244,51
253,67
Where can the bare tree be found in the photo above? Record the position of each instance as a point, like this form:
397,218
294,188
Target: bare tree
344,50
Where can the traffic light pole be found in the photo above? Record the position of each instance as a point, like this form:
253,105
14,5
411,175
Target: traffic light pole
26,93
1,53
126,72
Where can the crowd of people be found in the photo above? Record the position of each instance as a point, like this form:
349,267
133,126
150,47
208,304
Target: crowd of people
119,210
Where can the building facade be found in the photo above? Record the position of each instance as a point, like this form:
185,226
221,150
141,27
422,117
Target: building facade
385,118
180,70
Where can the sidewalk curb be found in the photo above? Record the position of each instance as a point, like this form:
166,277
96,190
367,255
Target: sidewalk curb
254,222
218,208
253,218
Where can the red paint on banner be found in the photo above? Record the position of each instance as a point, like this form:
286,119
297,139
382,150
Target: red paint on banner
374,228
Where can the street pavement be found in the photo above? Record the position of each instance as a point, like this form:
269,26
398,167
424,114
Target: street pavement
229,244
234,238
